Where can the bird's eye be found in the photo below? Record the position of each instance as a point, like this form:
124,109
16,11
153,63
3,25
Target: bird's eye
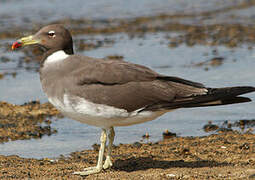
51,33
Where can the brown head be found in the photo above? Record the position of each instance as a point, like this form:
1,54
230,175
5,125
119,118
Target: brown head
51,38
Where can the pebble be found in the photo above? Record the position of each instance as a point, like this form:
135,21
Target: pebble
170,175
166,134
146,135
137,144
210,127
252,176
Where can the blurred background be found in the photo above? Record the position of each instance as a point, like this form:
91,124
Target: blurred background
208,41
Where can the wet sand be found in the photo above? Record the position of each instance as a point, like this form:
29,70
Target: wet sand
30,120
223,156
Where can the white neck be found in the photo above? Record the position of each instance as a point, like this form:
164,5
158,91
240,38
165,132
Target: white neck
56,57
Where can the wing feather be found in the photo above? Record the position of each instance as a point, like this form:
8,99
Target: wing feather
125,85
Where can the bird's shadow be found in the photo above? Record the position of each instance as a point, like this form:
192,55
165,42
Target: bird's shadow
143,163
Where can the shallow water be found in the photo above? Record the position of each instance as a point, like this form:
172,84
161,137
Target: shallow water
46,11
151,50
26,14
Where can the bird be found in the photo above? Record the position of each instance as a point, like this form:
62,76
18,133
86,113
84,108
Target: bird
109,93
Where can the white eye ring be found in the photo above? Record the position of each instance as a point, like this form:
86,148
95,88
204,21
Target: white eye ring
51,33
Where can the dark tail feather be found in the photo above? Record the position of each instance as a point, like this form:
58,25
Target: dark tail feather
214,97
230,91
233,100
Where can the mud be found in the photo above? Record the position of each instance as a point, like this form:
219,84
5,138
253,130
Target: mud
224,156
30,120
243,125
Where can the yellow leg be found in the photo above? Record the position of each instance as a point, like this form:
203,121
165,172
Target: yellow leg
98,168
108,162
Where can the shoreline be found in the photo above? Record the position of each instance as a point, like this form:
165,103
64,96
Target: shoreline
218,156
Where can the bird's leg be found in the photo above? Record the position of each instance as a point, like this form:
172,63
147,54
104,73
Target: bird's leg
98,168
108,162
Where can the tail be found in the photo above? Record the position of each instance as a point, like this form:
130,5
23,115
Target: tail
214,97
221,96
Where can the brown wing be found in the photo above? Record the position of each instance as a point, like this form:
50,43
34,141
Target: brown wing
126,85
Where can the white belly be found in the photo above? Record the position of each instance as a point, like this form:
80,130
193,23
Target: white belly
101,115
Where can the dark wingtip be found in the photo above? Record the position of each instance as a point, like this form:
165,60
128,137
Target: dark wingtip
231,91
235,100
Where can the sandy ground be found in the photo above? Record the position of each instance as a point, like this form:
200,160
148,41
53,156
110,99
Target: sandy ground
224,156
30,120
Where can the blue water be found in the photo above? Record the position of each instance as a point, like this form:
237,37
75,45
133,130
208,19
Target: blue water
22,13
16,11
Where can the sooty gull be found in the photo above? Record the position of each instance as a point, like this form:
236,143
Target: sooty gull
109,93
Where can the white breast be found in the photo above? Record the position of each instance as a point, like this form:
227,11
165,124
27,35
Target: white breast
101,115
55,57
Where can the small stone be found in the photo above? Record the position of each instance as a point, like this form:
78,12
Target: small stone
185,151
217,61
210,127
146,135
115,57
244,146
252,176
137,144
53,160
186,177
167,134
96,147
170,175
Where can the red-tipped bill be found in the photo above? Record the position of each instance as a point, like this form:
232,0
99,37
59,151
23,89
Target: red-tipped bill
16,45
